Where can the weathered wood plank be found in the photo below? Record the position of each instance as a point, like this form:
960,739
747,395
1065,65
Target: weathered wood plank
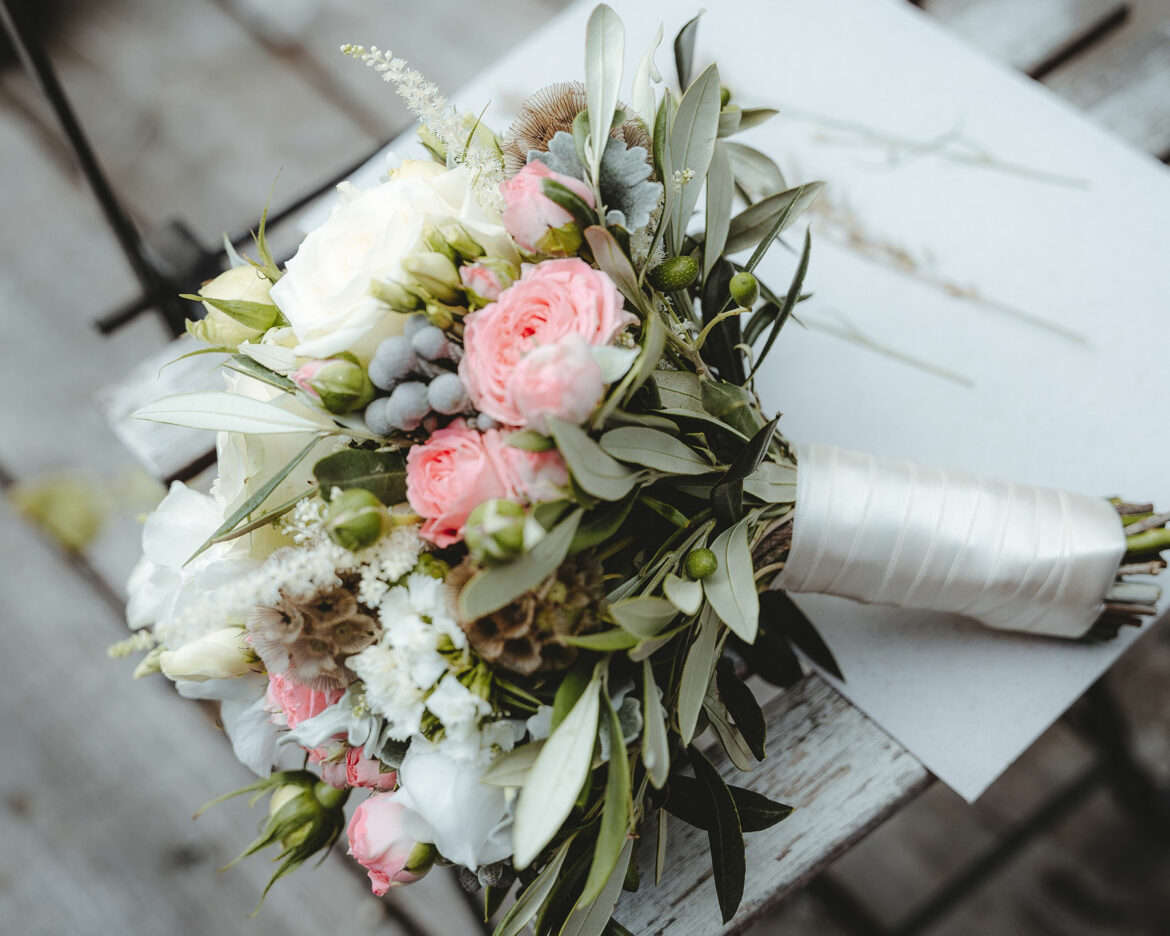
1126,87
102,778
1027,35
843,774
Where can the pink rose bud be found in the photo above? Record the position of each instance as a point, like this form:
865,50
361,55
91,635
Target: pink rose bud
379,843
534,220
560,380
339,385
485,279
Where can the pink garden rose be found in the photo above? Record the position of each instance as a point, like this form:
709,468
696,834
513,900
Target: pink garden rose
560,380
529,214
447,477
458,468
378,842
296,703
356,770
550,300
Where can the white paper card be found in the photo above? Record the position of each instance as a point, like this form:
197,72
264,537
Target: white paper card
966,205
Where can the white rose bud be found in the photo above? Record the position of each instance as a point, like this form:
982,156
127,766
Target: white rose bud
222,654
239,284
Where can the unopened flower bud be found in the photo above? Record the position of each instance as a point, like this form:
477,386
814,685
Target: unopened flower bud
485,279
339,385
246,289
222,654
356,519
434,274
701,563
380,843
745,289
674,273
455,234
495,531
724,96
395,295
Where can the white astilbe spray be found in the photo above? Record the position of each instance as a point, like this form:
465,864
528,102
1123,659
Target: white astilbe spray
438,116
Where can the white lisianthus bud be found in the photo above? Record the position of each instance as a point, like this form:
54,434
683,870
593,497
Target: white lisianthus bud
434,274
222,654
243,284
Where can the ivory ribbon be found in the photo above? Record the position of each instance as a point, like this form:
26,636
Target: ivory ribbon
1012,556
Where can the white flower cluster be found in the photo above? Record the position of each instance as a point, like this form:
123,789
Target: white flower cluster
410,672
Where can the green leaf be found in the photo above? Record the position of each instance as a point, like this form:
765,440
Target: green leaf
573,203
725,835
259,316
655,743
652,448
754,224
511,769
605,52
610,641
242,364
278,359
727,495
498,585
267,261
556,778
729,119
644,615
756,811
615,264
529,440
692,142
720,190
756,174
684,594
754,116
772,483
666,511
533,896
593,919
684,51
602,523
381,473
569,691
660,851
729,736
229,412
642,87
741,703
254,502
731,588
790,301
678,390
804,196
615,812
592,469
780,615
733,405
696,674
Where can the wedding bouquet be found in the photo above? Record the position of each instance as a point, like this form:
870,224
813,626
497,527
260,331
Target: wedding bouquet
500,525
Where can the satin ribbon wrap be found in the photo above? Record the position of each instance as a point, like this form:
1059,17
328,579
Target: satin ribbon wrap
890,532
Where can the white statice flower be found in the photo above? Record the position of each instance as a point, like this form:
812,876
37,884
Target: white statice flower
325,292
461,712
390,689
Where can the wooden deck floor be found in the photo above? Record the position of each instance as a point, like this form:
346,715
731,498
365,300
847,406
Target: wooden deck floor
195,106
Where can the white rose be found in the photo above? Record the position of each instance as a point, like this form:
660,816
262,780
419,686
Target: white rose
164,583
469,822
325,293
239,284
222,654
